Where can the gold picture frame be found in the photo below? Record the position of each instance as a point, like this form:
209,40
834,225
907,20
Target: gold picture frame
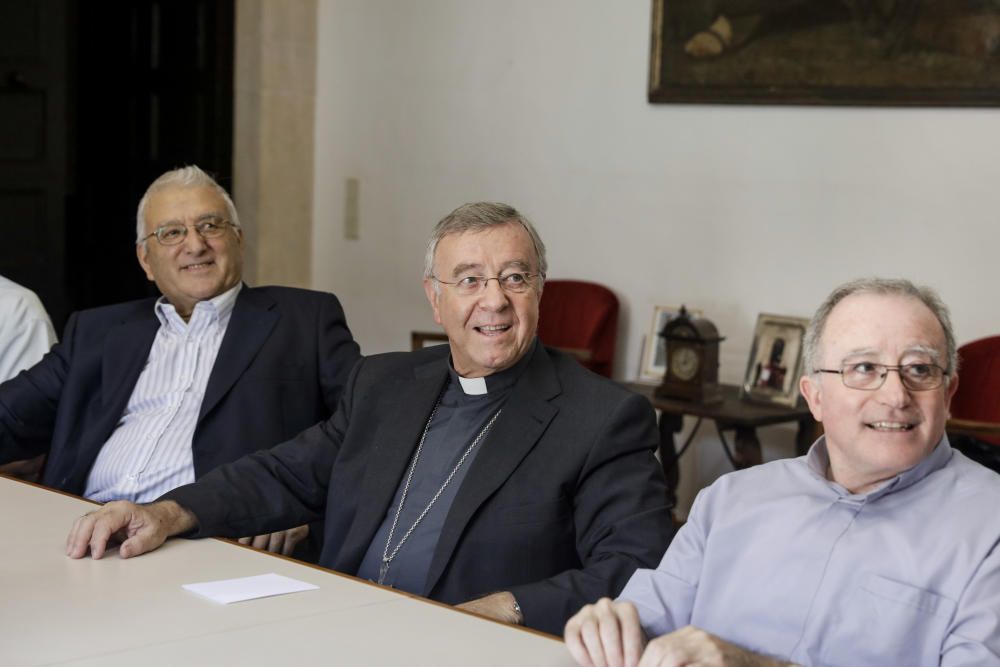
775,363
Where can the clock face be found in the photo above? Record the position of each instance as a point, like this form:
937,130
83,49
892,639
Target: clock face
684,363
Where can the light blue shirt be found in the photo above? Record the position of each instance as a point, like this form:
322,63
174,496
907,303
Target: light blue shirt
781,561
26,332
149,453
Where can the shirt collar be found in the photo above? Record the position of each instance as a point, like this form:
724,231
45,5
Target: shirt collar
818,462
500,381
217,309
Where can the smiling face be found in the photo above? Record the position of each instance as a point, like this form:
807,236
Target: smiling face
196,269
872,436
491,330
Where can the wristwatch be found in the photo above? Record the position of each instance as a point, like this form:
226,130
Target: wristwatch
517,611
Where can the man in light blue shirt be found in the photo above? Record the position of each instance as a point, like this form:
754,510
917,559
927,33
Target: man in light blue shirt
880,547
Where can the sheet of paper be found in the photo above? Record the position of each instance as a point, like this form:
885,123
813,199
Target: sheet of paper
248,588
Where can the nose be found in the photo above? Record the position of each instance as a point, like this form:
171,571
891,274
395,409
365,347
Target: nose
194,242
893,392
493,297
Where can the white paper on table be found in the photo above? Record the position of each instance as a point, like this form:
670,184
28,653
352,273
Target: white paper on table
248,588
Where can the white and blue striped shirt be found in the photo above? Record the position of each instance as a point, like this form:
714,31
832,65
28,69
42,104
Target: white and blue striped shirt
149,452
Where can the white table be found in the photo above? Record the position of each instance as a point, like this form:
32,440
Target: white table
58,611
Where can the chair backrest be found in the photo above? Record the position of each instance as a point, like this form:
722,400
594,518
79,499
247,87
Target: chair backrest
978,394
580,318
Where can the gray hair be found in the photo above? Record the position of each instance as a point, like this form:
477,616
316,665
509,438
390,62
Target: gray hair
477,217
882,286
185,177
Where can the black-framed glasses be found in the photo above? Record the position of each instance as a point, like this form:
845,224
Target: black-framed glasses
869,376
514,282
175,232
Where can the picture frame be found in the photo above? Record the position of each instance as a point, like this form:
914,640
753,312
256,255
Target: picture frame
654,354
826,52
421,339
775,363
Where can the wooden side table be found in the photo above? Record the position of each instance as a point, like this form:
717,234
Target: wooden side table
730,414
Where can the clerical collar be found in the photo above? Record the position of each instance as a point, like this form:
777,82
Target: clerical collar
473,386
499,381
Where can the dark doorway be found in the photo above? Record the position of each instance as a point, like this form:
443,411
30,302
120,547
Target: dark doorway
34,88
132,89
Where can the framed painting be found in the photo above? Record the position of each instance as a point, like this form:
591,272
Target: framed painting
860,52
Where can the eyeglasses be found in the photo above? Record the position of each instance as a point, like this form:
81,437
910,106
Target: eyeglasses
515,282
175,232
867,376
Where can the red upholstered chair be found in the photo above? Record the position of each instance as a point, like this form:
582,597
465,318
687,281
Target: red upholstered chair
975,409
580,318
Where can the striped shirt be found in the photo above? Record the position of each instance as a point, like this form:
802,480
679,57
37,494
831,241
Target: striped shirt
149,452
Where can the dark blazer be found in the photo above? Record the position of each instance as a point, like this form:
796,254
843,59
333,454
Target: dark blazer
281,367
560,506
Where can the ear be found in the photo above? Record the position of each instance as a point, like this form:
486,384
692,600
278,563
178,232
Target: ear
950,392
433,297
141,252
812,390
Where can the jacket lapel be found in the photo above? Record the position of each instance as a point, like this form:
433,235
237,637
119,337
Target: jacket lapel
126,349
251,322
403,414
526,414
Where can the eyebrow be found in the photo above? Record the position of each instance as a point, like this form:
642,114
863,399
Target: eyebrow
913,349
467,267
200,218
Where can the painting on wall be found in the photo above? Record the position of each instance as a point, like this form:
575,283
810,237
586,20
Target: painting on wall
863,52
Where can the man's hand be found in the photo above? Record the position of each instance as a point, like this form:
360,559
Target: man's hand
140,528
606,634
694,646
282,542
499,606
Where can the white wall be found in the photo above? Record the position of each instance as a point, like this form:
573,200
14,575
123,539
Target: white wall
734,210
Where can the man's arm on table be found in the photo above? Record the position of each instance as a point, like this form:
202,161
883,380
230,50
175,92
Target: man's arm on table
615,634
259,493
255,494
609,634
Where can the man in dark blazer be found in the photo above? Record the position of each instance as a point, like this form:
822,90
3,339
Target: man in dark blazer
272,361
491,473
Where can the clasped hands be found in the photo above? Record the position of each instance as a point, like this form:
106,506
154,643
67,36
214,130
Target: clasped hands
608,634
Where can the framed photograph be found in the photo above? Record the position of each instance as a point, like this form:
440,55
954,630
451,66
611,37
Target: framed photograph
775,360
861,52
422,339
654,353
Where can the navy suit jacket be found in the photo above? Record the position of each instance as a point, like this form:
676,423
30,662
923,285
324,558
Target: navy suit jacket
560,506
281,368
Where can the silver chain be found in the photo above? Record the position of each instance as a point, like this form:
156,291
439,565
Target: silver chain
388,557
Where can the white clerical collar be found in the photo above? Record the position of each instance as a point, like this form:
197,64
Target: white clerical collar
473,386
